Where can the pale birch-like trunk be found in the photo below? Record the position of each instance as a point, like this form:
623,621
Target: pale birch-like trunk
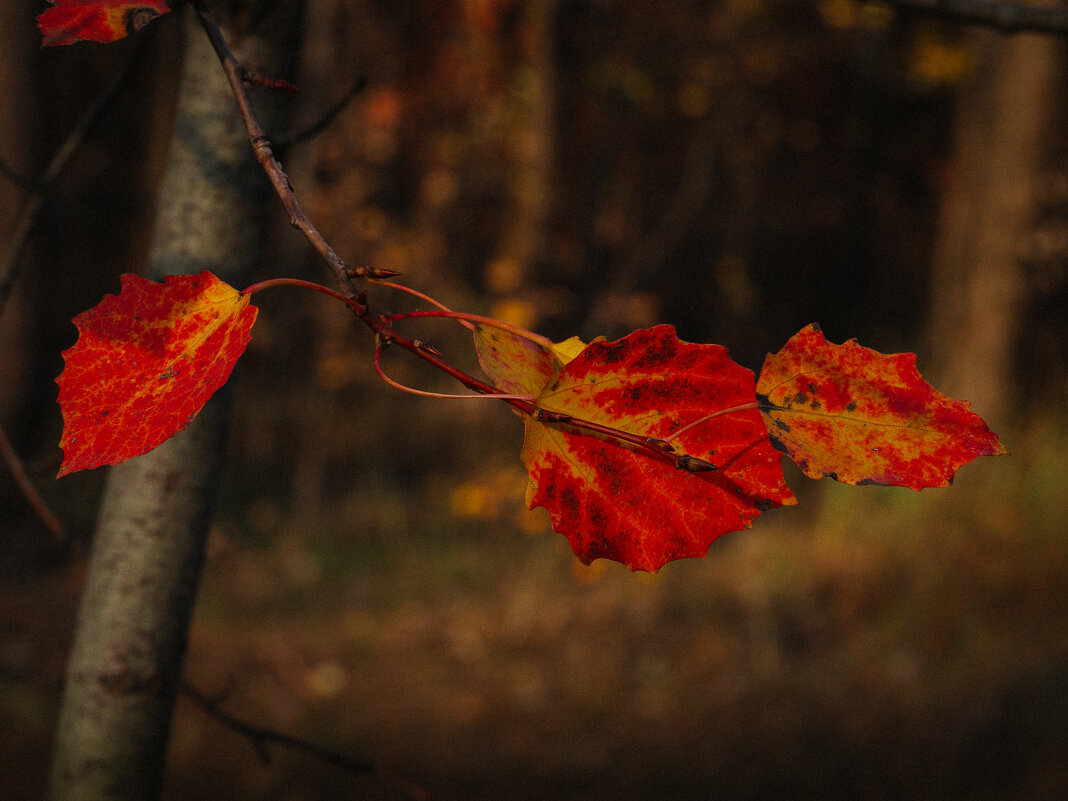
148,547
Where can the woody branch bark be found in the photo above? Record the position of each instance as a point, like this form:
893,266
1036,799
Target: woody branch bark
261,145
1003,17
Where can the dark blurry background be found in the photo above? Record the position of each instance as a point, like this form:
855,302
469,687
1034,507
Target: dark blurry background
375,583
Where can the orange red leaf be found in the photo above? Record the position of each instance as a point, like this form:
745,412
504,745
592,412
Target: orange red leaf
850,413
69,21
145,363
614,502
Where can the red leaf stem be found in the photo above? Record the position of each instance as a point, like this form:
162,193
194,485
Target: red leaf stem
270,283
739,408
474,318
413,391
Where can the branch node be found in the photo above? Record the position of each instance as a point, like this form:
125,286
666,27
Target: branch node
661,444
694,465
427,348
547,416
370,273
278,84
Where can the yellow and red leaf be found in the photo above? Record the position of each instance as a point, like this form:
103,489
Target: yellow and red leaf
145,363
69,21
856,415
521,365
612,501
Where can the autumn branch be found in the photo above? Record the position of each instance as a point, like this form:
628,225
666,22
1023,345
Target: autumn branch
1004,17
261,145
839,411
385,335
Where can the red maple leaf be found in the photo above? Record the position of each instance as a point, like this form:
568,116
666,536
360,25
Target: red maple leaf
145,363
69,21
853,414
613,501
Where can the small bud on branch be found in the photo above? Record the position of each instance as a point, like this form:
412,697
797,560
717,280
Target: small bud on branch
370,273
278,84
694,465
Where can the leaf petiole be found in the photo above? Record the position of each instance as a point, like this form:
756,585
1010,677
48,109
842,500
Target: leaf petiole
657,450
739,408
422,296
270,283
492,322
423,393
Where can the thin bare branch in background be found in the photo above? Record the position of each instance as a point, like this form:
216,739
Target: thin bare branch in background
320,125
261,737
12,260
29,491
1004,17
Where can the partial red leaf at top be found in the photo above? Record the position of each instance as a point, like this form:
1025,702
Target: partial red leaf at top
613,501
145,363
856,415
69,21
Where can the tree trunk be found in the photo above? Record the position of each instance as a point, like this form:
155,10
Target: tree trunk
148,548
978,287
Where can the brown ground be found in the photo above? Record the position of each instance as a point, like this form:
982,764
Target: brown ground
889,645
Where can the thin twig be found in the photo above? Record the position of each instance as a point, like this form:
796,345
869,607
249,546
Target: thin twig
261,145
26,487
423,393
261,736
31,212
1004,17
320,125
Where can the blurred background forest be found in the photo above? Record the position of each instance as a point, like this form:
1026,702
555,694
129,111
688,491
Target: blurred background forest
375,584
